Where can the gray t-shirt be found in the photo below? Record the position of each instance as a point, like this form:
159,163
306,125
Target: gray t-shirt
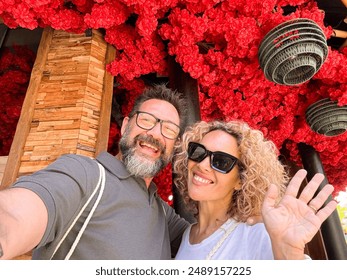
129,222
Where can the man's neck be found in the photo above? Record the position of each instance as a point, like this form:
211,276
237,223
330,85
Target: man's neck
119,156
147,181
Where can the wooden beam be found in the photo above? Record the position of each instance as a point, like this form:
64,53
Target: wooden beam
339,33
3,161
23,126
106,106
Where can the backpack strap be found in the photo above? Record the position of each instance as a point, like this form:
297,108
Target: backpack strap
100,185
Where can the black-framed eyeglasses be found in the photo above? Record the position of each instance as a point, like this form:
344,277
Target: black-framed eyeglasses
219,161
147,121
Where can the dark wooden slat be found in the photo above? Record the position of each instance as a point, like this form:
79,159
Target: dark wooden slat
3,32
185,84
106,106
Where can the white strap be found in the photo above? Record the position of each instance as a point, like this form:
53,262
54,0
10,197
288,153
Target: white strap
100,185
162,205
222,239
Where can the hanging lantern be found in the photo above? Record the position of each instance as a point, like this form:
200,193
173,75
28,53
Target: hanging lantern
293,52
325,117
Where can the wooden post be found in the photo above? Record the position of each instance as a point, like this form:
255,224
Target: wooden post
332,232
3,160
67,107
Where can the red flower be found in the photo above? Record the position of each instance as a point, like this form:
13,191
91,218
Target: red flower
164,183
107,15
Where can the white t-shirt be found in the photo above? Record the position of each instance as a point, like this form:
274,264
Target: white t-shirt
243,243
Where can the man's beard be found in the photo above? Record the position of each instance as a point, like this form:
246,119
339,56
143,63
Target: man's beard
138,165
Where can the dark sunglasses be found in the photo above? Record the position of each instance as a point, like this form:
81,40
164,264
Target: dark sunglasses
221,162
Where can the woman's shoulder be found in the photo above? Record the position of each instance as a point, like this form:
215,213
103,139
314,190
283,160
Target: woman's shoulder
256,229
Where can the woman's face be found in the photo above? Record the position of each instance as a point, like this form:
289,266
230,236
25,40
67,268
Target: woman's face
207,184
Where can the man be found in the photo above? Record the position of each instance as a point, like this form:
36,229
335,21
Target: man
130,220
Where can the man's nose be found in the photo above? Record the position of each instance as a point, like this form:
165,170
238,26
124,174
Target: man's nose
156,130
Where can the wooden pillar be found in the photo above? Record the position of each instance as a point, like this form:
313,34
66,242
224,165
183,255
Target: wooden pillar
3,160
185,84
67,107
332,232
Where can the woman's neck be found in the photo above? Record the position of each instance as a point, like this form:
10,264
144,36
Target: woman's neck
210,219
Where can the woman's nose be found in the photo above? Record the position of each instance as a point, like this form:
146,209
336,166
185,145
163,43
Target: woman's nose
205,164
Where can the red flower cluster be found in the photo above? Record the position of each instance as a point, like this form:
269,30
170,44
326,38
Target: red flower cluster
217,43
15,70
164,182
218,46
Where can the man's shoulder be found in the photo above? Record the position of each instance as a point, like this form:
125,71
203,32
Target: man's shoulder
75,157
113,165
73,163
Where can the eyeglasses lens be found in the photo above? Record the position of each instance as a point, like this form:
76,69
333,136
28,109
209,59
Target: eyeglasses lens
148,121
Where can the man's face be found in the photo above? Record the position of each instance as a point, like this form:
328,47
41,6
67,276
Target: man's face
146,152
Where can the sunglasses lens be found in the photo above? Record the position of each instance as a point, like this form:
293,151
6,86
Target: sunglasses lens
196,152
219,161
222,162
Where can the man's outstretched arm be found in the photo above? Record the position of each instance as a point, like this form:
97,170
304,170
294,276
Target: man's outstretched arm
23,220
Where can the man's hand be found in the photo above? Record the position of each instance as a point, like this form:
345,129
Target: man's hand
251,221
23,220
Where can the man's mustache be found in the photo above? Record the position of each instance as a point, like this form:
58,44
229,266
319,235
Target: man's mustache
150,140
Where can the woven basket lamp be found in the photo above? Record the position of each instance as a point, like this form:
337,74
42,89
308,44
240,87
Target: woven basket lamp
325,117
293,52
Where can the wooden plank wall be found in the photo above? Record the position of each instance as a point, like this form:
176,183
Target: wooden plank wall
3,161
67,107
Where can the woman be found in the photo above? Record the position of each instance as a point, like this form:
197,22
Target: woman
228,172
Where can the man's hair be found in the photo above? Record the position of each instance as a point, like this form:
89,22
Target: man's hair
161,92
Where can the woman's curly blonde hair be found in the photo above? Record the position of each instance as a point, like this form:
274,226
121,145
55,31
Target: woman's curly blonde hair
259,166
